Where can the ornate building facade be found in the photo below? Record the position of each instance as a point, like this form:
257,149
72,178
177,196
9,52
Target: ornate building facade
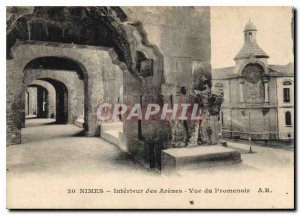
258,97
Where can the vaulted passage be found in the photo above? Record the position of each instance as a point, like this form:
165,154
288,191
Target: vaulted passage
91,55
60,149
47,98
54,91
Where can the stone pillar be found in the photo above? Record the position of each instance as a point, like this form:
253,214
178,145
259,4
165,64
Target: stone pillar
80,98
241,91
32,98
266,90
26,103
93,97
15,98
40,102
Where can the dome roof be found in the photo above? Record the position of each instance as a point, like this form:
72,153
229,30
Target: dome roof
250,26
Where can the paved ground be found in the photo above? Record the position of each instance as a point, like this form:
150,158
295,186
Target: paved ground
264,158
53,149
54,159
50,149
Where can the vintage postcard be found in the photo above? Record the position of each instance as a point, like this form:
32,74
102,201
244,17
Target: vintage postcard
150,107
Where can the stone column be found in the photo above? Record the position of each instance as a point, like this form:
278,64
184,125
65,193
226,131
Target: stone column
95,95
15,99
242,91
26,103
266,90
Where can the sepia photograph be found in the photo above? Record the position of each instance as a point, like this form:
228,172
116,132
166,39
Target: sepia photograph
150,107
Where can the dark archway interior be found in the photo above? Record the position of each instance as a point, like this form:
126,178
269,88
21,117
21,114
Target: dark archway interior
55,63
61,100
87,26
42,102
63,64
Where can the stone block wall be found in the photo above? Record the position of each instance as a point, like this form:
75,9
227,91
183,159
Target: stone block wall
74,85
32,93
112,80
90,60
182,35
51,96
175,39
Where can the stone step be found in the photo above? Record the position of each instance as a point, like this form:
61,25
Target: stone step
114,134
177,159
112,126
79,122
111,136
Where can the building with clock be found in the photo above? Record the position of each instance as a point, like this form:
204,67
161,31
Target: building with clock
258,97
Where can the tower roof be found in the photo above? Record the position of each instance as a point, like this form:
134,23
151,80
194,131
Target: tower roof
250,47
250,26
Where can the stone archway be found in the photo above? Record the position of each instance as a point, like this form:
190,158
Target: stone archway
51,96
105,30
93,57
42,110
74,86
62,100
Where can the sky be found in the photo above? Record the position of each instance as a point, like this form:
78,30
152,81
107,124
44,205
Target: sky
273,35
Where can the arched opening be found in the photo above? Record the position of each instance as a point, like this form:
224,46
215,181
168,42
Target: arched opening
61,100
288,118
59,96
69,38
64,75
287,85
55,63
39,104
40,100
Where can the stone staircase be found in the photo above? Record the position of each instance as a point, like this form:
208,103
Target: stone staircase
113,133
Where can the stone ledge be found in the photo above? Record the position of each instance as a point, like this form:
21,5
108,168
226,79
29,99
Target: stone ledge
197,157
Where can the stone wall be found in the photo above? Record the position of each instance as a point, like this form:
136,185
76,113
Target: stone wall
285,131
112,80
74,85
242,119
182,35
51,96
162,48
90,60
32,93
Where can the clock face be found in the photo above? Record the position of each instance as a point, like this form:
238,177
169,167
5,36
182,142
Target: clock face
252,73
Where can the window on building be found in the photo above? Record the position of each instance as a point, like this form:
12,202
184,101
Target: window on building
286,95
288,118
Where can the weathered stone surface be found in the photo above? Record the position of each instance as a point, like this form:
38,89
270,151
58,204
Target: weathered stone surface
51,98
196,157
142,57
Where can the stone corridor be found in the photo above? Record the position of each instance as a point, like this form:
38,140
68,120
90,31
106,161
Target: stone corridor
53,149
